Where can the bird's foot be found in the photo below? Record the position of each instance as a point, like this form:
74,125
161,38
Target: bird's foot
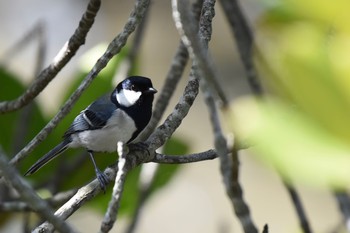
102,179
140,146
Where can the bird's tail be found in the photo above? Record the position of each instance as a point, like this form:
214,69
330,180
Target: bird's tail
48,157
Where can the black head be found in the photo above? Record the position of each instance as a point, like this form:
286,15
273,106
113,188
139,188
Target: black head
132,91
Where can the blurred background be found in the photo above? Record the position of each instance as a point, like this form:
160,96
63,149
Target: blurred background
194,200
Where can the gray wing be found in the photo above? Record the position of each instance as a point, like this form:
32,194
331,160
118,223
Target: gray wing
95,116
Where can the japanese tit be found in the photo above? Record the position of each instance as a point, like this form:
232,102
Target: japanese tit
119,116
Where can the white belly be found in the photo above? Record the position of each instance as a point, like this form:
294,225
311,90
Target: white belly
120,127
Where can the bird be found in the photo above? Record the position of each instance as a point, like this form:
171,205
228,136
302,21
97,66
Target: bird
116,117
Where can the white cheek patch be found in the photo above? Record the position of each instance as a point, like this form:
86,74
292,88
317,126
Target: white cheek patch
128,98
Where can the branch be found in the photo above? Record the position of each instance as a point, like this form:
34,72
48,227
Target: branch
303,220
188,29
113,206
244,40
127,64
173,121
180,159
20,206
236,193
146,180
344,207
113,48
22,125
172,79
61,59
36,31
29,196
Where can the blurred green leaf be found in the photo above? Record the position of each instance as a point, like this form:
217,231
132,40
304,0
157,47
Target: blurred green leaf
12,136
305,60
291,142
10,88
302,52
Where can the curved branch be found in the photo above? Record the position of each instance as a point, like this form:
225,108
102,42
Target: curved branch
172,79
61,59
244,40
188,29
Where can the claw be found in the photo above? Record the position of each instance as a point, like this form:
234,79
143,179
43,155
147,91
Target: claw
141,146
102,179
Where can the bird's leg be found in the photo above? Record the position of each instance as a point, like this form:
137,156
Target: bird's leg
102,178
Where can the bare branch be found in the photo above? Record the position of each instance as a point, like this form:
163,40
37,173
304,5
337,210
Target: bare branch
188,29
344,206
180,159
61,59
174,74
244,40
236,193
303,220
113,206
146,179
30,196
113,48
83,195
37,31
22,126
173,121
55,201
127,64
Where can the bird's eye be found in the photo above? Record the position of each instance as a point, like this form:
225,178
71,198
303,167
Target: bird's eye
133,87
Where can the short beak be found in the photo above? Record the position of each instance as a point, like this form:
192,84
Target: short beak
151,90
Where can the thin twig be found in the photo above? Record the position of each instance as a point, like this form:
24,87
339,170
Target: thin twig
236,193
191,158
114,48
20,206
61,59
344,206
244,40
35,32
173,121
146,179
303,220
188,29
266,229
30,196
113,206
22,125
172,79
128,63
